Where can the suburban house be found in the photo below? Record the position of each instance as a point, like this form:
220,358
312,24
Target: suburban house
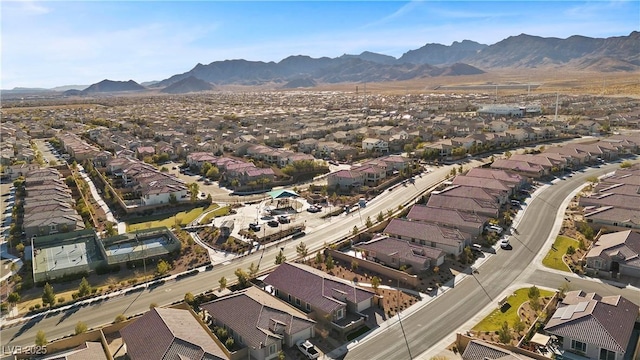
375,145
525,168
373,175
614,202
87,350
259,321
451,241
324,297
345,179
505,177
166,333
471,192
199,158
482,350
474,206
617,252
464,221
490,184
594,326
48,205
397,253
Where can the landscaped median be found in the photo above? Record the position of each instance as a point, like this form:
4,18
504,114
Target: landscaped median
554,258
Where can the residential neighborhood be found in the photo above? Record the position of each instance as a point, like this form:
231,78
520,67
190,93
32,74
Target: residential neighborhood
299,228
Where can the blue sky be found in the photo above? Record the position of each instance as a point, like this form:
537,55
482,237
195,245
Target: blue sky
54,43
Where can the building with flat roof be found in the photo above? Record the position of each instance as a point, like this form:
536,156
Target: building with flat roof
57,255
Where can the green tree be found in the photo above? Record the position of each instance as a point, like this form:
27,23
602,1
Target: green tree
41,338
534,298
163,267
173,199
243,277
110,230
354,265
189,298
518,325
319,259
587,231
562,290
504,334
280,258
354,231
48,296
205,168
13,298
626,164
380,217
194,189
223,283
213,173
375,283
229,343
153,305
302,250
368,223
253,270
120,318
85,288
81,327
467,255
329,263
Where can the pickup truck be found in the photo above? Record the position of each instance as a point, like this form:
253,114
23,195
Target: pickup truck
308,349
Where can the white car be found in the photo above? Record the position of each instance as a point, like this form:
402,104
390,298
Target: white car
307,348
493,228
504,242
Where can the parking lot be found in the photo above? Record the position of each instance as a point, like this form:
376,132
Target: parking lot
208,187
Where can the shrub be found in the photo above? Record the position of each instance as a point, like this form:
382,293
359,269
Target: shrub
571,250
37,306
61,299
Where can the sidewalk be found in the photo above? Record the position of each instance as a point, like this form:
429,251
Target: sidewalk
121,226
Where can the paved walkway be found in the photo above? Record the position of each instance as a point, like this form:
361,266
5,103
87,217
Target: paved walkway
122,227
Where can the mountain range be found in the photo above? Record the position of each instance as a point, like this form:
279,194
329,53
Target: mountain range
467,57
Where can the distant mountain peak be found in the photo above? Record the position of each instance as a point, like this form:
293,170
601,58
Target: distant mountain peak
188,85
107,85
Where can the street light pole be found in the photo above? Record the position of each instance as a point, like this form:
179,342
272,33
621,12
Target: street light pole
406,341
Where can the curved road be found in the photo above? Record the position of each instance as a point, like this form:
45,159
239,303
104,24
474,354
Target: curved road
427,326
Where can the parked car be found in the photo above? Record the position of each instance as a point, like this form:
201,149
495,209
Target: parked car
284,219
504,242
254,226
313,209
307,348
273,223
493,228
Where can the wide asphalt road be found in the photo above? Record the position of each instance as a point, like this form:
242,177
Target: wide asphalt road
446,313
100,313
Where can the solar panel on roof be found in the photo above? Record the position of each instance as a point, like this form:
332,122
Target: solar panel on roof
568,312
581,306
